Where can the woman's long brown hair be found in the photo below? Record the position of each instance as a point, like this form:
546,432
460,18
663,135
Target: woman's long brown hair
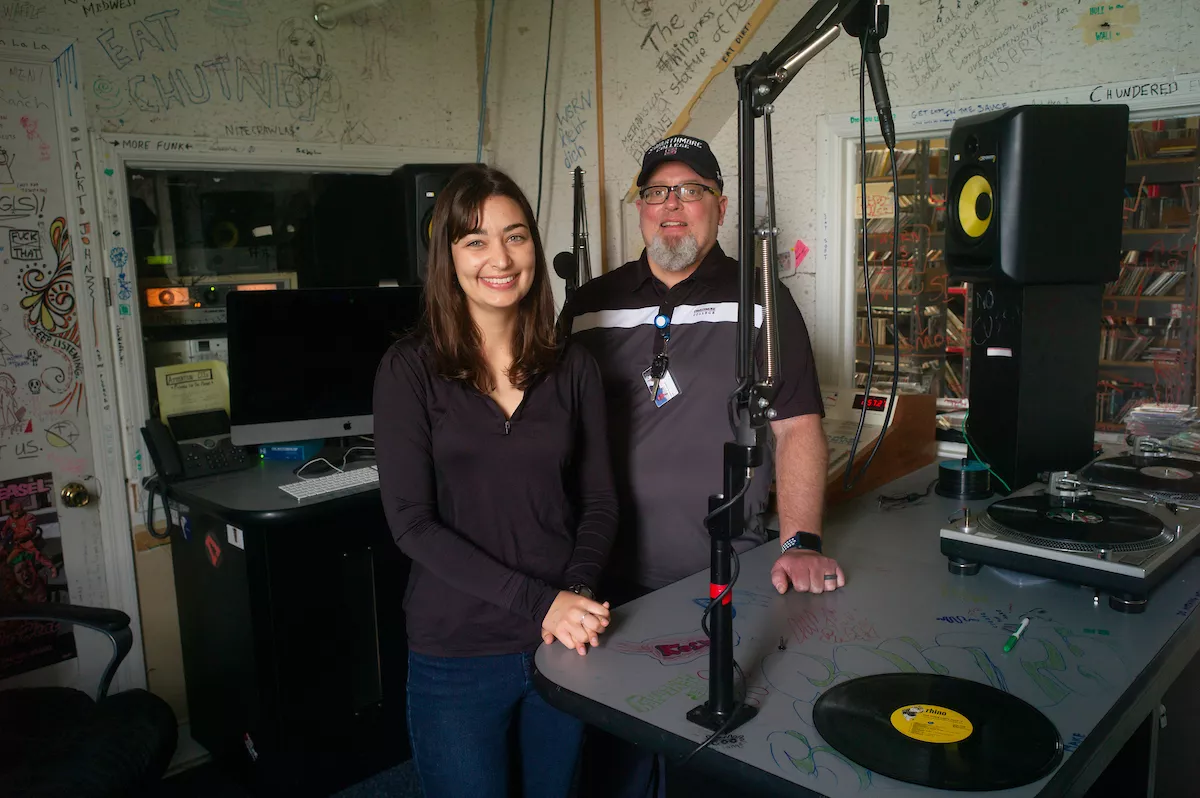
456,340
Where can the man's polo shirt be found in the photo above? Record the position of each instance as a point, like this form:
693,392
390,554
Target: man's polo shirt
668,459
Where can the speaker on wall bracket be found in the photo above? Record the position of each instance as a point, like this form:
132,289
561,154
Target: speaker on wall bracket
1035,195
420,185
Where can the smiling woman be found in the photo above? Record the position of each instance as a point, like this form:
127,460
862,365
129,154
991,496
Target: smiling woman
495,476
495,262
488,286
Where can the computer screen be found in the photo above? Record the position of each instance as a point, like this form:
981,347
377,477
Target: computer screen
302,363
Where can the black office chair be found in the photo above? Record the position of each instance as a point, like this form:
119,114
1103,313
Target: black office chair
57,741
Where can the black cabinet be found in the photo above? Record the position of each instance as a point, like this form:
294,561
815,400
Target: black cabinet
292,632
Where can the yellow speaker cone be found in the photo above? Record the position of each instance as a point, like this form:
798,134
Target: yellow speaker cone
975,206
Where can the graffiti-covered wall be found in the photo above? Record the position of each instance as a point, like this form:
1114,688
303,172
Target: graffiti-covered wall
403,74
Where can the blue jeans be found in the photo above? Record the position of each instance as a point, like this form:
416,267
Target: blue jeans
479,729
613,767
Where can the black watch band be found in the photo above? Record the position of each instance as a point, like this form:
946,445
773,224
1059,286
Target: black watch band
803,540
583,590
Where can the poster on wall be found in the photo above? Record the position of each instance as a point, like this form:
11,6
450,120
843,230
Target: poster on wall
31,569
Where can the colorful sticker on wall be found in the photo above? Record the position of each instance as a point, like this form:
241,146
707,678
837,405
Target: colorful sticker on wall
1109,22
31,570
51,318
800,252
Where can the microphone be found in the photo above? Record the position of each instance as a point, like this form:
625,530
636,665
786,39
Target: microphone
870,22
566,266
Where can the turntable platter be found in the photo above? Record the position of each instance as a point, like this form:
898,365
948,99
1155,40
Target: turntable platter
1156,475
1087,521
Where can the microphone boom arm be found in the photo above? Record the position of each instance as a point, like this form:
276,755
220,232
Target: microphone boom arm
758,84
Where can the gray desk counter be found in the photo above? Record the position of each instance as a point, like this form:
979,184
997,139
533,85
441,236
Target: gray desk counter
253,495
1096,673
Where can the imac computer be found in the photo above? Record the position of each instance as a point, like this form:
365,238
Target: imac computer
302,363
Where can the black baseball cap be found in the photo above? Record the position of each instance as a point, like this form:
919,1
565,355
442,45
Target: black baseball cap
685,149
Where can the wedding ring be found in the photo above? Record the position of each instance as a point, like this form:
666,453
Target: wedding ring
582,618
830,576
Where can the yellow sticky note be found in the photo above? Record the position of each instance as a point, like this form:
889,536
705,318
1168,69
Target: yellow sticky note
189,387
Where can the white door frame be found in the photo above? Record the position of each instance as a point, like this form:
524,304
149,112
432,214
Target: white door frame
113,155
837,138
59,54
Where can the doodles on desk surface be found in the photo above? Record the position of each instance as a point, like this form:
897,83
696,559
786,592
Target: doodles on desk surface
1052,664
831,625
672,649
791,749
688,684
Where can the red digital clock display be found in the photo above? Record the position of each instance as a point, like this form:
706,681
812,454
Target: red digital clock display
873,402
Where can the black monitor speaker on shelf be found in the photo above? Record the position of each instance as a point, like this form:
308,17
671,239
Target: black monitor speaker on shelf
351,246
1034,218
420,185
1036,194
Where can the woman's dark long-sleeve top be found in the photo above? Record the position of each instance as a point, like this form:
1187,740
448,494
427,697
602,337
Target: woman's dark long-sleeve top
497,515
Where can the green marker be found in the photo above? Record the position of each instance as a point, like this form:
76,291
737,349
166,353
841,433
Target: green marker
1012,639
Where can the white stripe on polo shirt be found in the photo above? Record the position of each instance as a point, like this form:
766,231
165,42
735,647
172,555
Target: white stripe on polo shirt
607,319
627,318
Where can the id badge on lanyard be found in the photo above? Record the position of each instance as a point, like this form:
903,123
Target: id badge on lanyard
658,377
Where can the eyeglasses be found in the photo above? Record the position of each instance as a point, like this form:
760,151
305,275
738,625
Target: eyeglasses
687,192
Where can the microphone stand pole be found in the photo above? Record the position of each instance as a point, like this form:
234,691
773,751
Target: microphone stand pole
758,84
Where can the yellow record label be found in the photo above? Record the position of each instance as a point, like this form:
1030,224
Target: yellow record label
931,724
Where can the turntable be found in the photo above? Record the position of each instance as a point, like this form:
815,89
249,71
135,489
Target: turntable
1121,524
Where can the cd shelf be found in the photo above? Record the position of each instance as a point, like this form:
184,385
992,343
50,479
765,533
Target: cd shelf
931,319
1149,329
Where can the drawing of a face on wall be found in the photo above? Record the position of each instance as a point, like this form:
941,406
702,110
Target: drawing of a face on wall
641,11
300,47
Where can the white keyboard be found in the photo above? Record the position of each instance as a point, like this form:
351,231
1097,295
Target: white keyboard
332,483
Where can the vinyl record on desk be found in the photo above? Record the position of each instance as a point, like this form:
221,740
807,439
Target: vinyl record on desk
938,731
1157,474
1087,521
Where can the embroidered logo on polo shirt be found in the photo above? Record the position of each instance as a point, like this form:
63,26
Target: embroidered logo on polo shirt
705,310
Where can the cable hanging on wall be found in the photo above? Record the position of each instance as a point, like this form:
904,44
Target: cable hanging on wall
487,64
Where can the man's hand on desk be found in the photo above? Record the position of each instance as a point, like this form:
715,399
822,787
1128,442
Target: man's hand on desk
806,571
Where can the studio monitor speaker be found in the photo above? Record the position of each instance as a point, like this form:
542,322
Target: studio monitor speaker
1035,195
420,185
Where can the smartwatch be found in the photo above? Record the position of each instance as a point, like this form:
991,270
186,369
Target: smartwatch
803,540
583,590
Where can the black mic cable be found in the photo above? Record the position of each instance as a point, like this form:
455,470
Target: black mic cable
883,103
849,479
